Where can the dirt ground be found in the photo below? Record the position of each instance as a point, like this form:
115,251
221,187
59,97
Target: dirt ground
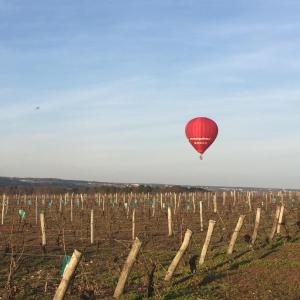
266,271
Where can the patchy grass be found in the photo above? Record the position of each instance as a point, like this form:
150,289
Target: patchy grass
269,271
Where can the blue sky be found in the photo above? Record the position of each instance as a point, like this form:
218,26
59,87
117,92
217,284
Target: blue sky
116,81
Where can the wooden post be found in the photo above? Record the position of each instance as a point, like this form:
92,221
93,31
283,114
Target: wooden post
275,223
71,210
210,229
42,219
208,200
249,201
257,219
234,197
201,216
133,224
92,226
67,276
224,198
3,206
280,218
161,201
36,210
170,230
179,201
180,253
175,203
98,199
235,234
127,267
153,207
6,204
66,198
194,205
60,203
128,208
82,200
215,203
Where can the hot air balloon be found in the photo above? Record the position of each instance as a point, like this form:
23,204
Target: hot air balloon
201,133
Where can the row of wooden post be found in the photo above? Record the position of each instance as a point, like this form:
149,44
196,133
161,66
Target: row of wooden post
249,196
275,228
70,269
276,225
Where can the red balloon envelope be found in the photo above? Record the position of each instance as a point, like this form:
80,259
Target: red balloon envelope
201,133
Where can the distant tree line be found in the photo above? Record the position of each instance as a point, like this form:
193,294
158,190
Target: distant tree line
52,189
